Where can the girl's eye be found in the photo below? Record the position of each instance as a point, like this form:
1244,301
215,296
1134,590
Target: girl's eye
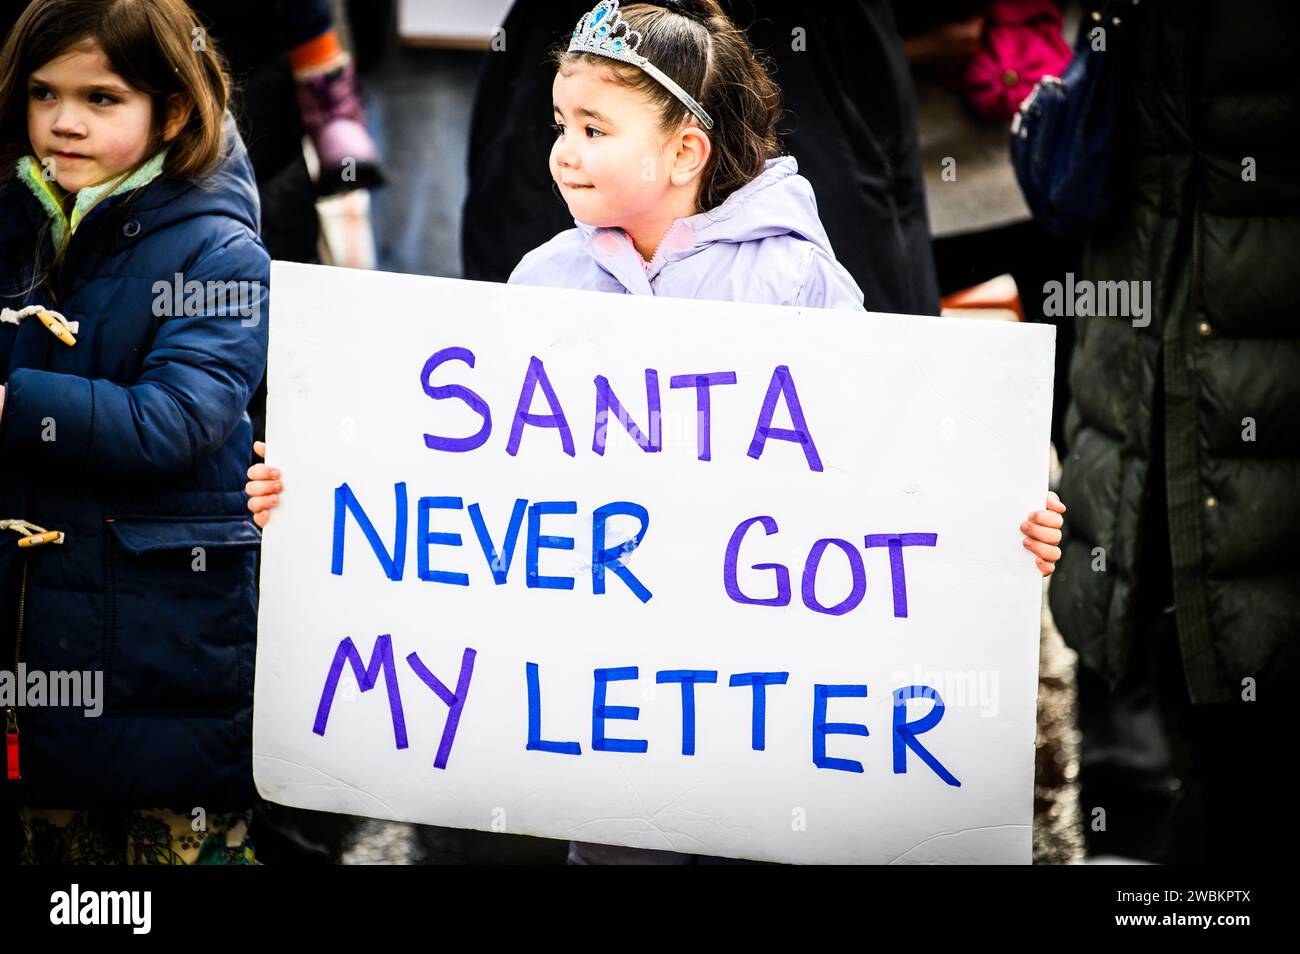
102,99
39,92
592,131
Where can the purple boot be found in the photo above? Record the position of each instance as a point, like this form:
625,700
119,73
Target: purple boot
333,118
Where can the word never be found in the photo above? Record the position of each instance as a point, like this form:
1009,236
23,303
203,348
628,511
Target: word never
498,560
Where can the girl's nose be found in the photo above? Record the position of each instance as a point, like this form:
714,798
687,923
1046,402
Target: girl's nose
67,122
565,156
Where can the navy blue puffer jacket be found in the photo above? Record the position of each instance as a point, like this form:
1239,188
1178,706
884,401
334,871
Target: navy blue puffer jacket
133,442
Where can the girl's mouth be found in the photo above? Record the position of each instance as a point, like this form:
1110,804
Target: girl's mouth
577,185
70,155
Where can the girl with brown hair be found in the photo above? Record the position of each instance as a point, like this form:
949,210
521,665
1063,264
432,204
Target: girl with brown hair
132,292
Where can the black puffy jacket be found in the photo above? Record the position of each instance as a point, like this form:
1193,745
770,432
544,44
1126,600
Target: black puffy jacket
1184,466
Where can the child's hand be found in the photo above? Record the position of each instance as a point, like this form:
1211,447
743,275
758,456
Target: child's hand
263,487
1042,533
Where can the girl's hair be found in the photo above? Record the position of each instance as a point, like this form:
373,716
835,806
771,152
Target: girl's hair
157,46
698,46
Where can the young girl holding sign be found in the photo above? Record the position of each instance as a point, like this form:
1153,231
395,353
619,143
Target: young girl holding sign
133,287
666,154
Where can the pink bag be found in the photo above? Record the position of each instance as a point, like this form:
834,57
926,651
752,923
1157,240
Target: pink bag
1022,43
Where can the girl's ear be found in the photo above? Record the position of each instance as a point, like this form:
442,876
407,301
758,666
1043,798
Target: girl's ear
179,107
693,151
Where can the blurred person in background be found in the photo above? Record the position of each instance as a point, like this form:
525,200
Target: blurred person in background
973,61
1178,586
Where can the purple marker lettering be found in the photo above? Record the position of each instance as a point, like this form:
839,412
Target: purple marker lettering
455,700
458,445
858,590
380,658
896,542
729,562
536,376
606,400
783,385
703,405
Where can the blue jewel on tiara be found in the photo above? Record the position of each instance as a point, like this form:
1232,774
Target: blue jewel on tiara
604,32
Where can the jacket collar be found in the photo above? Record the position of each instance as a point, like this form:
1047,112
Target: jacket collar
62,225
613,251
776,202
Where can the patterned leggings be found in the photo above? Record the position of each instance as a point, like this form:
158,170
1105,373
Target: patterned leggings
153,836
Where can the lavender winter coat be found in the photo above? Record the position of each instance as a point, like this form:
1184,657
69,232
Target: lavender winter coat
764,244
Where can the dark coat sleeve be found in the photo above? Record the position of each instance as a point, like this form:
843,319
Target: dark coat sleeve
193,389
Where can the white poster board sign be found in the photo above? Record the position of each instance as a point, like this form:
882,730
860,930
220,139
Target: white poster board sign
786,616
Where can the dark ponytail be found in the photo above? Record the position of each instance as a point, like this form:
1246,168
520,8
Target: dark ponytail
701,49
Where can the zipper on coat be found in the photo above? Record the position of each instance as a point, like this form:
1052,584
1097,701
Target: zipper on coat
13,769
660,247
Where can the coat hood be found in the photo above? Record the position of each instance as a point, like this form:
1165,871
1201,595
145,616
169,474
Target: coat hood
764,244
778,202
229,190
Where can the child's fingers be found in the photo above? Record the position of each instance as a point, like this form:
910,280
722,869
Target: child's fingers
1046,518
1054,502
1045,568
263,472
260,488
261,518
258,504
1043,550
259,448
1035,530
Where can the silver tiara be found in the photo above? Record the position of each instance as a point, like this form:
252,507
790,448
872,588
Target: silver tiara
604,32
